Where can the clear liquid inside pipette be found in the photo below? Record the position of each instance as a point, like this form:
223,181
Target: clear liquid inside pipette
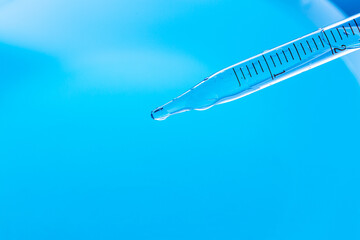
268,68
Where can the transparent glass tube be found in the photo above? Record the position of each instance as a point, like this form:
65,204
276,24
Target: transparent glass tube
268,68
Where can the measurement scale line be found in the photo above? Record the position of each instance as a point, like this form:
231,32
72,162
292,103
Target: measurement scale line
357,25
291,54
273,61
321,41
260,66
248,70
309,45
315,44
332,50
255,68
268,67
243,73
333,36
351,29
285,56
237,77
297,51
279,58
347,35
303,48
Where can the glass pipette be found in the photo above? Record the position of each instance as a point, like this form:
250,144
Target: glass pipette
268,68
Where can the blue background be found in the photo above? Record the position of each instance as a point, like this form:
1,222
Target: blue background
80,157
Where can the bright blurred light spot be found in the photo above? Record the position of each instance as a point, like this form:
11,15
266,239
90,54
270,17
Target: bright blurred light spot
140,69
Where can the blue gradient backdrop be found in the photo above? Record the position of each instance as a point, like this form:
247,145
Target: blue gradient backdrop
80,157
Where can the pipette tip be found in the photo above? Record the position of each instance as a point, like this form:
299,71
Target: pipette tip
159,114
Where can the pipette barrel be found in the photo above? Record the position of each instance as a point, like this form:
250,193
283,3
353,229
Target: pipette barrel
268,68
